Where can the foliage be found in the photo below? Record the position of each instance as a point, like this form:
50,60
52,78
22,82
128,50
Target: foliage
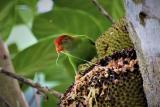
78,17
7,18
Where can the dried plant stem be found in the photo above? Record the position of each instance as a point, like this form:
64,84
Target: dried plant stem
102,10
29,82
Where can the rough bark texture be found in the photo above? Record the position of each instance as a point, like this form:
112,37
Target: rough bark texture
10,93
144,26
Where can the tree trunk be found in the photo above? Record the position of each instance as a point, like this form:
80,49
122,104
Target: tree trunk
144,27
10,93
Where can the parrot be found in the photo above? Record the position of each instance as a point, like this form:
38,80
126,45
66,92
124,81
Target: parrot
78,49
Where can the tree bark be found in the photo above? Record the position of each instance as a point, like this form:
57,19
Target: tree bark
10,93
144,28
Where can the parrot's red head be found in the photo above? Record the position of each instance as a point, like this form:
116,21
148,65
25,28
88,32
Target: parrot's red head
60,41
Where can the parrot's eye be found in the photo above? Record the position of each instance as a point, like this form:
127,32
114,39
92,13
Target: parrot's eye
67,43
66,40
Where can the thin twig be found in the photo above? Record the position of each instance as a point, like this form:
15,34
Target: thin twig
102,10
29,82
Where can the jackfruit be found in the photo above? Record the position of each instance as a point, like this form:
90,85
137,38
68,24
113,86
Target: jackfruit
115,82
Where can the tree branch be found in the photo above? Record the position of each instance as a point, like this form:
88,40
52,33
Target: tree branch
102,10
144,28
9,88
29,82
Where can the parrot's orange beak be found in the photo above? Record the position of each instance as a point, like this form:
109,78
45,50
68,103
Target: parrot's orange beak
57,43
59,49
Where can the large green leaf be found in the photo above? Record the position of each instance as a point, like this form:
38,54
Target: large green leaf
114,7
64,20
7,17
40,57
87,6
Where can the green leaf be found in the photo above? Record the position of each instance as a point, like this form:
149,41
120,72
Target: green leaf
86,6
35,57
14,12
7,17
51,101
25,15
64,20
41,57
31,3
13,49
114,7
26,10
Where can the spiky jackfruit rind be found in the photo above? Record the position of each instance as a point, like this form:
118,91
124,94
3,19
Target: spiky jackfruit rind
114,39
124,89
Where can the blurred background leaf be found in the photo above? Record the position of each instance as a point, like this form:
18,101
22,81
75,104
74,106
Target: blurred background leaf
26,10
41,57
38,58
115,8
7,17
86,6
13,49
25,15
64,20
